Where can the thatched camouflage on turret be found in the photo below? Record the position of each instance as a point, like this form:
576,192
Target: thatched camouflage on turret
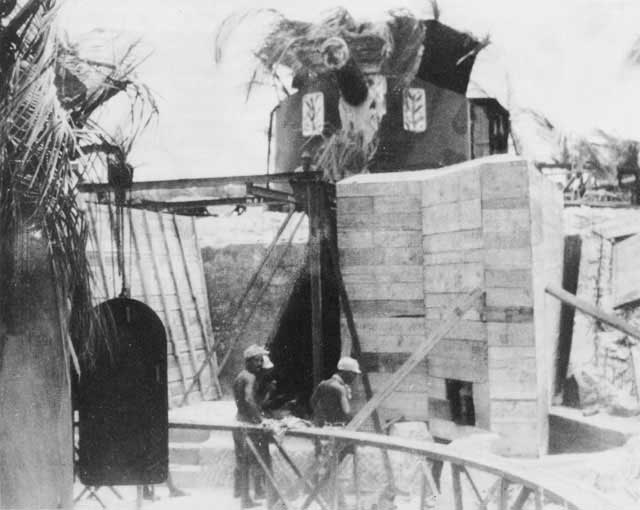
359,67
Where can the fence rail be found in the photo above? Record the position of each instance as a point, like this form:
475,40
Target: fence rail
512,489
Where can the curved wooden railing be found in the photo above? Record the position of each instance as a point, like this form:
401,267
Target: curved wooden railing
513,488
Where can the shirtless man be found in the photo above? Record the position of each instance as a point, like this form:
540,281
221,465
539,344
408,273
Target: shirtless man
244,392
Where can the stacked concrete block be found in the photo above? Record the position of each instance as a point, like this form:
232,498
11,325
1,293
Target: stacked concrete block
493,223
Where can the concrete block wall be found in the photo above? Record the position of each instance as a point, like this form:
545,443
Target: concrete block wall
412,242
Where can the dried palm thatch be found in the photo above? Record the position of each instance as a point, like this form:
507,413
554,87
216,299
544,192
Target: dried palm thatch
343,154
48,92
392,47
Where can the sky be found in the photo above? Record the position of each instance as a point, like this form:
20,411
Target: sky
562,58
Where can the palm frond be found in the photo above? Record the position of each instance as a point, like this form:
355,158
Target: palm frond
392,47
49,90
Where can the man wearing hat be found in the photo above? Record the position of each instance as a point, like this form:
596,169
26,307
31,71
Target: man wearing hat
330,401
245,394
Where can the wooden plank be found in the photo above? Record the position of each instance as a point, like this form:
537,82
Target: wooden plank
267,471
442,300
453,257
464,240
387,362
503,495
507,258
514,373
457,487
200,183
508,278
594,311
401,184
410,405
517,314
204,327
452,277
353,238
519,202
390,221
174,279
466,215
416,358
522,498
388,274
438,408
417,381
473,368
514,239
503,297
388,308
502,180
396,203
511,334
348,206
626,273
381,291
390,325
397,238
381,256
475,371
165,310
507,220
454,186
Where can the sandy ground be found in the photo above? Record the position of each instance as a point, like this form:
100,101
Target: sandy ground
209,499
203,499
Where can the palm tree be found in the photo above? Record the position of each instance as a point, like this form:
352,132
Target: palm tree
49,142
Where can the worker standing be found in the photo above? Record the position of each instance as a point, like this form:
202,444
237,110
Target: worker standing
330,401
245,394
331,405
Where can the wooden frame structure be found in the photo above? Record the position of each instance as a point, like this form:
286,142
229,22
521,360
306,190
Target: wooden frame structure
164,270
512,487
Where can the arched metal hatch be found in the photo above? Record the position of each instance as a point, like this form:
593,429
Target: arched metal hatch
122,400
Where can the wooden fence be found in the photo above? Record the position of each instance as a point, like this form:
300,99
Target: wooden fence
163,268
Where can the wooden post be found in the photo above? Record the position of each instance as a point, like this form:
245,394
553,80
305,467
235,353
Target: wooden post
503,495
334,466
524,494
356,480
593,311
315,202
298,473
204,329
267,470
183,322
457,487
163,300
481,502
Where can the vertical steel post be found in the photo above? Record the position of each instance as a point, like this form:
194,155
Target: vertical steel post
315,203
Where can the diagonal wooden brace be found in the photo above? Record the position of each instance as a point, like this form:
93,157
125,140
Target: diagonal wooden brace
266,470
452,317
